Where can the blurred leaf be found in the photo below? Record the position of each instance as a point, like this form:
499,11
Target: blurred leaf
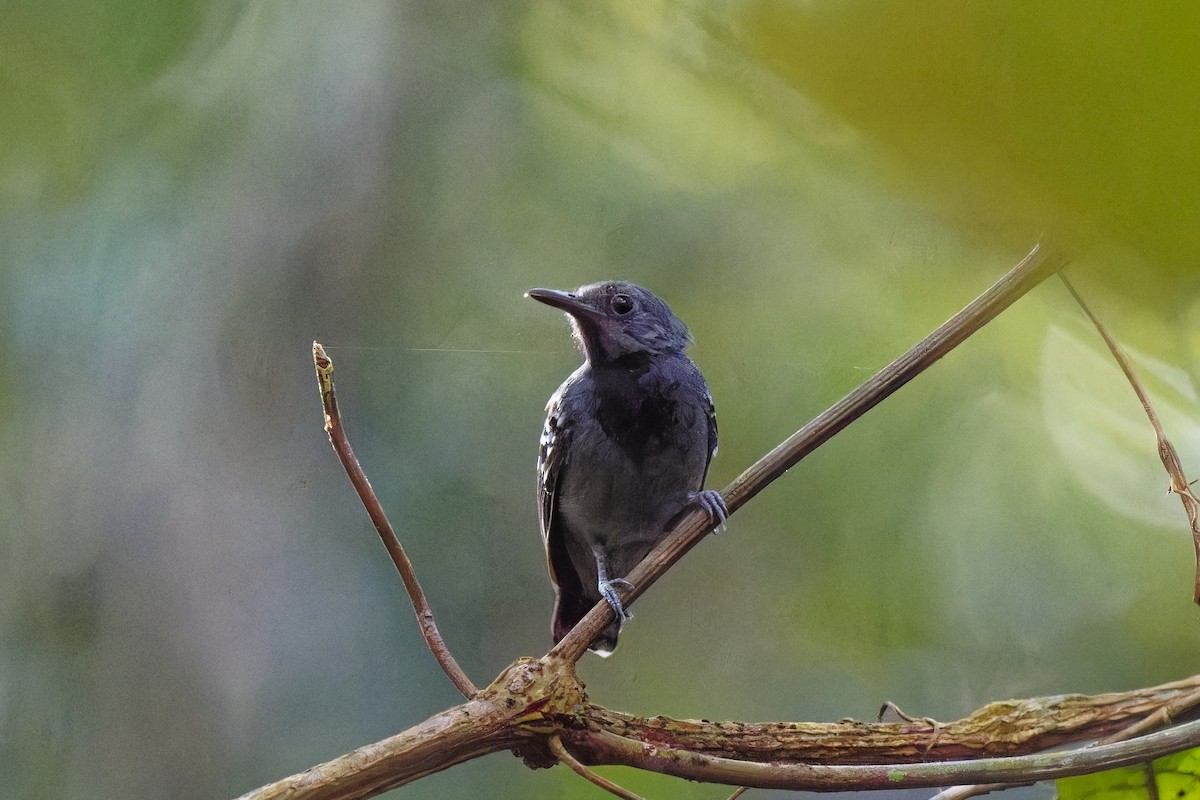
1101,432
1175,776
1071,120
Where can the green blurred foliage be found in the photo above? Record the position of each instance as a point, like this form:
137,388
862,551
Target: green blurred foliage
1078,118
72,76
192,602
1176,776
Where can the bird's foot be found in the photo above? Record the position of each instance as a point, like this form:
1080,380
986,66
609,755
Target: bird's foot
712,502
608,591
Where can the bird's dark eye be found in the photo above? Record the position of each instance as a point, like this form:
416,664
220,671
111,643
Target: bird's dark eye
622,304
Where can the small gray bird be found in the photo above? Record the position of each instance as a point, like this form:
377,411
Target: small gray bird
626,447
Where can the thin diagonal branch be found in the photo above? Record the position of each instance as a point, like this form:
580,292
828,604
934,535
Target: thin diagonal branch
962,792
1032,270
1166,451
564,756
341,446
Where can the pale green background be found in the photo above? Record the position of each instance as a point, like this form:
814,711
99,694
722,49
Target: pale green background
192,602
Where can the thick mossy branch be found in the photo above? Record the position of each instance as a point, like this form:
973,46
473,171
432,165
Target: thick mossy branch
1010,727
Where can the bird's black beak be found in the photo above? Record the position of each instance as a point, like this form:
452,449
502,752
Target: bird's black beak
565,301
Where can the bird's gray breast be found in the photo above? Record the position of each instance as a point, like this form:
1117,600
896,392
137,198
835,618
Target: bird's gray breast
630,469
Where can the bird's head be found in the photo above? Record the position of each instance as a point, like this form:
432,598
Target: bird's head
615,319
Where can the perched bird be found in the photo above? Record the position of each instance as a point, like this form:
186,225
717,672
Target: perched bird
626,447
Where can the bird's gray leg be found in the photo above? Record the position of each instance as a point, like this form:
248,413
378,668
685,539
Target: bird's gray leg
608,587
712,502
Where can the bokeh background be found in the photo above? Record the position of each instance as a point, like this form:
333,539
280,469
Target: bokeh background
192,601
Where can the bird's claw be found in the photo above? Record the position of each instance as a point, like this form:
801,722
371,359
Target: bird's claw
609,592
713,503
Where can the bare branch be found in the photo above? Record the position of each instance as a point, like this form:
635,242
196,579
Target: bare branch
1032,270
963,791
341,446
561,753
508,714
1166,451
